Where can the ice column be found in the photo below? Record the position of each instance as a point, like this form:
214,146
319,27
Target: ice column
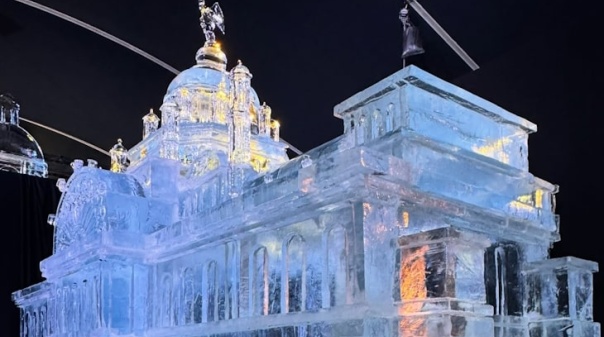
559,298
169,148
239,125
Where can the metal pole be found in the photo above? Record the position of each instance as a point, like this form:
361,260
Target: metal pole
442,33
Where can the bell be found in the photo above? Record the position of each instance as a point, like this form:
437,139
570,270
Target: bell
412,43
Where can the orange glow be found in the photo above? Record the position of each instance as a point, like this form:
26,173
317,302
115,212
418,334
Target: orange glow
413,288
405,219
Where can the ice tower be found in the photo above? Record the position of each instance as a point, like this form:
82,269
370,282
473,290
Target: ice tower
19,151
421,220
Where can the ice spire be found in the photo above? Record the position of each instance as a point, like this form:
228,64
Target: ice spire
239,124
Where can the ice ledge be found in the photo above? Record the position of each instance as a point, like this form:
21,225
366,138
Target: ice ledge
562,263
416,77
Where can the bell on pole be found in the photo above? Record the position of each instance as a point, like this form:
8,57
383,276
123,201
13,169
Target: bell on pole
412,43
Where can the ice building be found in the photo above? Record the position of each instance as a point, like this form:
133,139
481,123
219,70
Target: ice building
422,219
19,151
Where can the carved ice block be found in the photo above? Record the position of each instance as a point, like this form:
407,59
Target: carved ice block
561,287
441,285
416,102
559,298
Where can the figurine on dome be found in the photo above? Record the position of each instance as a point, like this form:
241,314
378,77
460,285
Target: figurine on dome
210,19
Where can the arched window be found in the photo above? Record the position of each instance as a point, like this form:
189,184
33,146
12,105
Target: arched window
198,301
33,324
211,292
188,280
500,281
337,274
378,127
295,280
42,322
259,282
59,311
25,327
165,306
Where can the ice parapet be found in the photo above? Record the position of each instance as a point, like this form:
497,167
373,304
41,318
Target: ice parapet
421,220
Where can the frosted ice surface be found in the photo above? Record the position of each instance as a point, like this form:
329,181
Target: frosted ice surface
422,219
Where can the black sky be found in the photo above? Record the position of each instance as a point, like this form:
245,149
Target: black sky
539,59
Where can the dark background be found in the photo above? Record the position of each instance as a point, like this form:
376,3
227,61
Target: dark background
541,60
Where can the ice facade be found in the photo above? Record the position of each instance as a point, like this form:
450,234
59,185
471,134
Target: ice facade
19,151
421,220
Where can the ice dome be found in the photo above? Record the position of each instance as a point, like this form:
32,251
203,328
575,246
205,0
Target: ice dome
208,73
17,141
19,151
201,93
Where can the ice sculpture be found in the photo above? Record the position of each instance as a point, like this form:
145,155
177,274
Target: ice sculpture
420,220
19,151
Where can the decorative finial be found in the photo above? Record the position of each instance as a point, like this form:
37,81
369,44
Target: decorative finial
239,62
210,19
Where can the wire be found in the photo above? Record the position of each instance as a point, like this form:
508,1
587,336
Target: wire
64,134
442,33
101,33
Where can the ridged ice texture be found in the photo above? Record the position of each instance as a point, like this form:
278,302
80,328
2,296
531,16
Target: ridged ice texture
421,220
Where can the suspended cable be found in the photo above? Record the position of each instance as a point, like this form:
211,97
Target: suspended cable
101,33
92,146
442,33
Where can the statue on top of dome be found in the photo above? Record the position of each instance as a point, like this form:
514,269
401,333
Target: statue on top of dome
210,19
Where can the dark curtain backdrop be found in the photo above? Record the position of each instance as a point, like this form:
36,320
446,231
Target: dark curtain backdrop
25,203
